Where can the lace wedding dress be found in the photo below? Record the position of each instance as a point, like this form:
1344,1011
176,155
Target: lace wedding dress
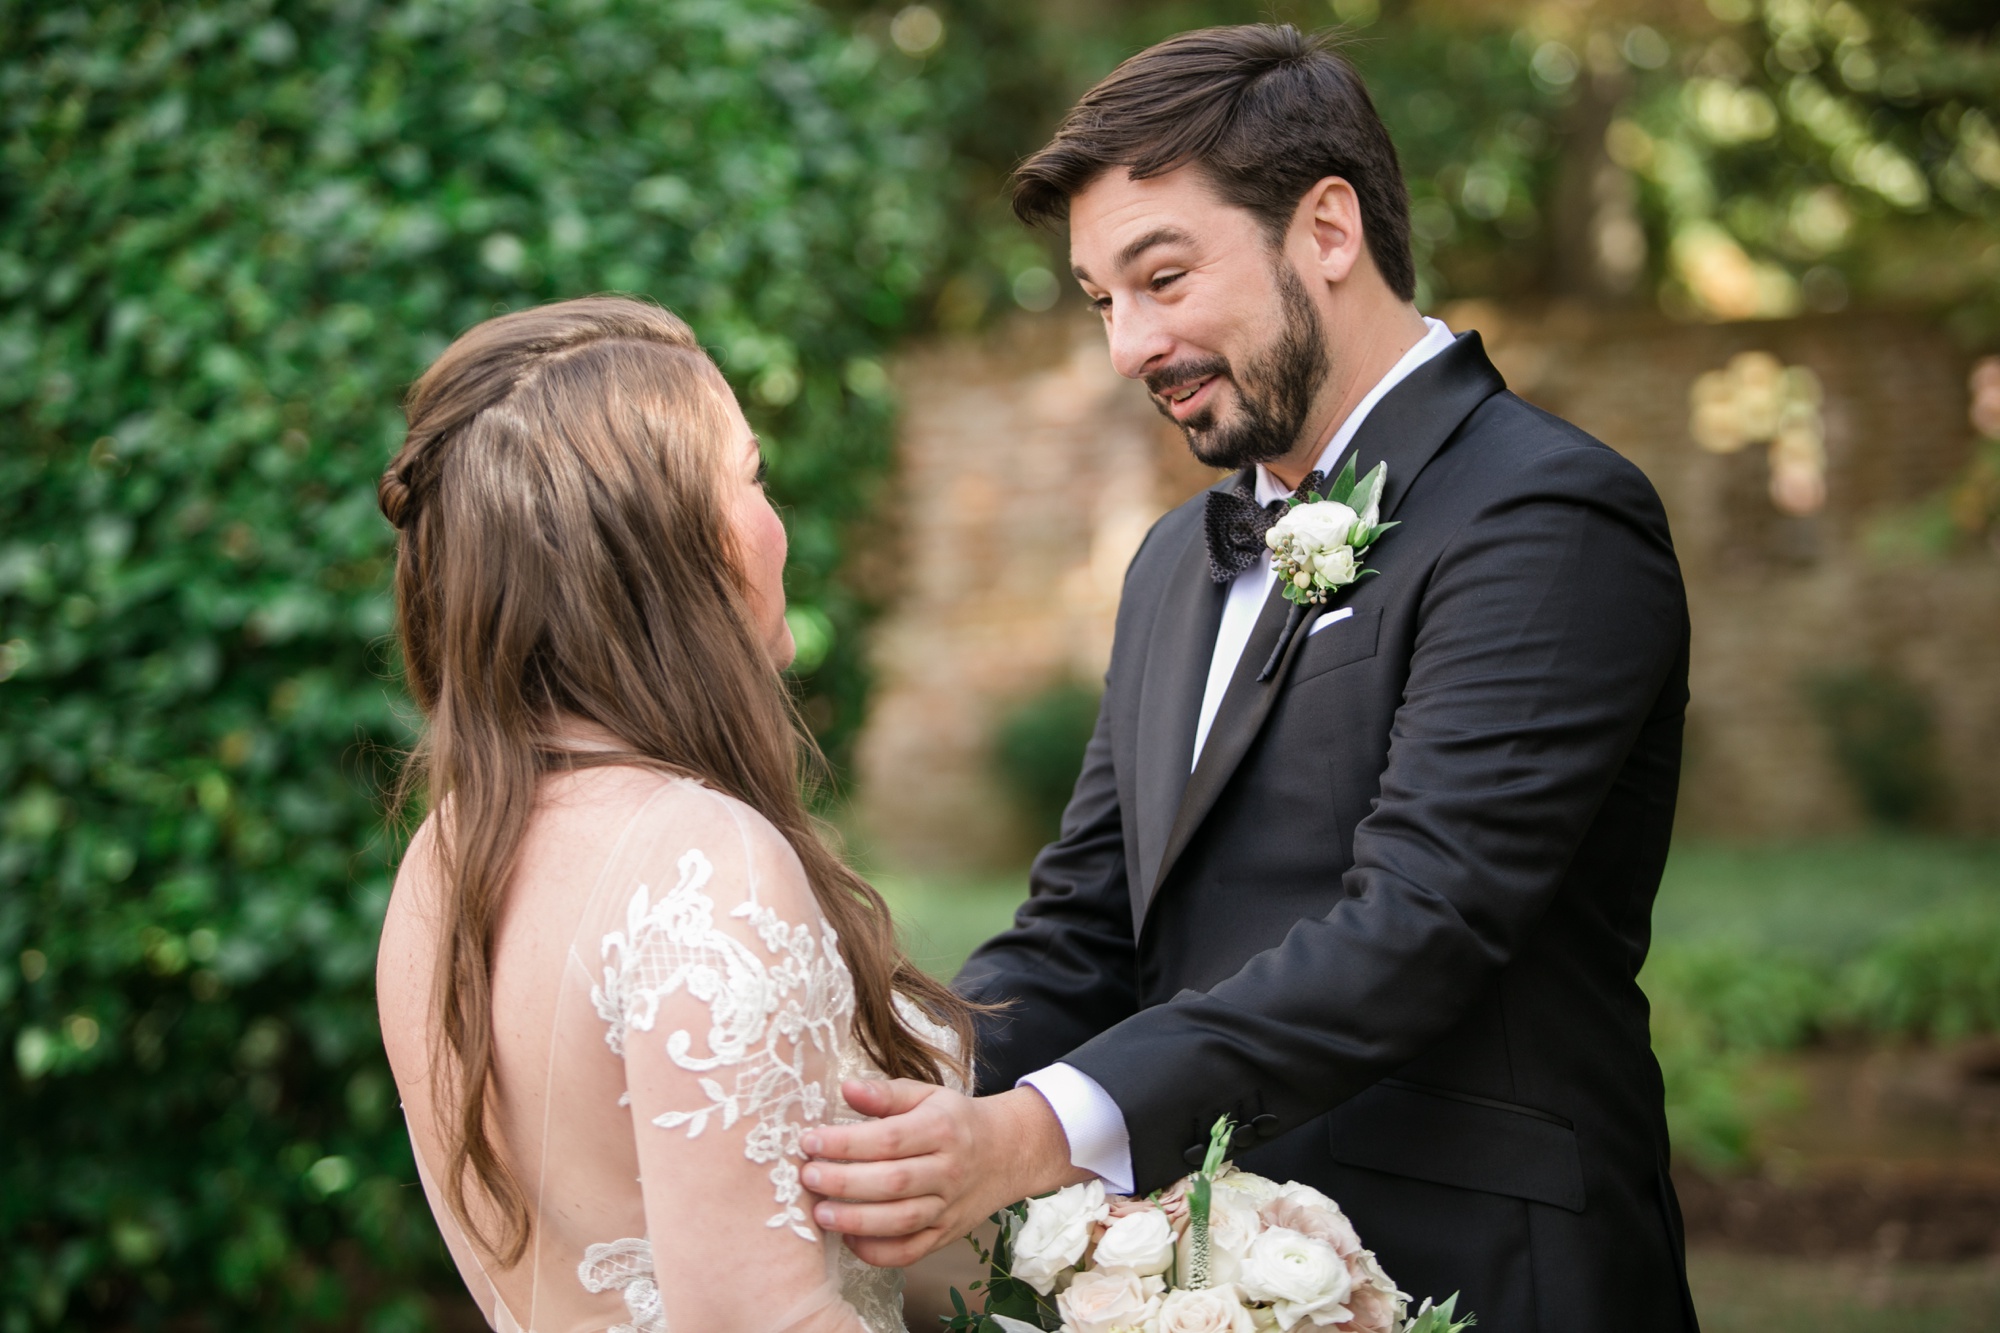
671,1014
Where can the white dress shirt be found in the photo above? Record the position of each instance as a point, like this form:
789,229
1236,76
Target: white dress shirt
1098,1139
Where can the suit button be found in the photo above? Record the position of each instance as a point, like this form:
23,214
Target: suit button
1242,1137
1196,1155
1266,1126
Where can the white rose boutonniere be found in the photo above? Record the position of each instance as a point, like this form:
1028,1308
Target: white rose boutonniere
1317,545
1057,1232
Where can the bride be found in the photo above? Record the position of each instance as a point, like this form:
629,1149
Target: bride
621,976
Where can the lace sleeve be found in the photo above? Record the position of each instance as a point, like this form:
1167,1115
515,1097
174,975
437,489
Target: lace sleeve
726,996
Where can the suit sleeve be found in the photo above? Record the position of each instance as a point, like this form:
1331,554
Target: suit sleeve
1065,971
1548,634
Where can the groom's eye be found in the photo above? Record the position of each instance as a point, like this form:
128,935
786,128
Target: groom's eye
1164,280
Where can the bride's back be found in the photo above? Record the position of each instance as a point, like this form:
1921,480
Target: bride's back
614,997
632,896
545,1070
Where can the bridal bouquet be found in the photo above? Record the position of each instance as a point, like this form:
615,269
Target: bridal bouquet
1222,1251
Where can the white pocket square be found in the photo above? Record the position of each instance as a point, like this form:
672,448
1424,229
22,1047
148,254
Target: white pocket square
1330,618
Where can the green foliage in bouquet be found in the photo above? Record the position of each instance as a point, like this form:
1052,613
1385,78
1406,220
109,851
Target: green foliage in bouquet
1439,1318
1006,1297
1201,1203
231,232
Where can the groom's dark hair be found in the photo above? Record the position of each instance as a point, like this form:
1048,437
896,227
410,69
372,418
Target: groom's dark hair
1263,111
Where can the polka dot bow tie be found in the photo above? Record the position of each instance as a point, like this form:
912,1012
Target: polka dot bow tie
1235,524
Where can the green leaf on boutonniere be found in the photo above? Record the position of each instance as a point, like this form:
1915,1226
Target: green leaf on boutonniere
1342,487
1365,537
1368,494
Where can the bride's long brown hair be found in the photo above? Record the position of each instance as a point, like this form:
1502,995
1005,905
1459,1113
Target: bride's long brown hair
563,553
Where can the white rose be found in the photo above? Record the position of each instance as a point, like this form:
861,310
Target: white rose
1102,1302
1248,1188
1335,568
1214,1310
1303,1209
1231,1229
1314,527
1376,1305
1302,1277
1140,1243
1056,1233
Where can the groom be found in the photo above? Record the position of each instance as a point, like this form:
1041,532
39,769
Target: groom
1375,881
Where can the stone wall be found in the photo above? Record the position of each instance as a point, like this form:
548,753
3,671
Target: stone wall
1030,471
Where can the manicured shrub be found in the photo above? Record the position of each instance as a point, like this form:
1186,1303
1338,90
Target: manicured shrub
1937,978
1719,1006
1883,738
231,232
1038,750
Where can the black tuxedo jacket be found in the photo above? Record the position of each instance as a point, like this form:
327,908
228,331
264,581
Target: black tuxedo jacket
1392,920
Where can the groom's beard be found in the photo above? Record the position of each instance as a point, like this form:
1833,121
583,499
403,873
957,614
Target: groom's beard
1274,394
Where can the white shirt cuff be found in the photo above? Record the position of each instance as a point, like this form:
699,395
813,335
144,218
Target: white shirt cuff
1098,1140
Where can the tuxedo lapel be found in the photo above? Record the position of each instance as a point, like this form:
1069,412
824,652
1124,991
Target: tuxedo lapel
1405,430
1415,418
1170,691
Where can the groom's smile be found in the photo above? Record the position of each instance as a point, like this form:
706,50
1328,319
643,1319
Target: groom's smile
1186,391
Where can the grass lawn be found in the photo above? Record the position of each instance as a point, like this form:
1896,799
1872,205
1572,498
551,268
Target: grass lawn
1759,1294
1830,899
943,918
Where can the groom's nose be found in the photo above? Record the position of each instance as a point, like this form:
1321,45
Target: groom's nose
1139,339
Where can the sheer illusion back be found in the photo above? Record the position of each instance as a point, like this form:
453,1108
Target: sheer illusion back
671,1013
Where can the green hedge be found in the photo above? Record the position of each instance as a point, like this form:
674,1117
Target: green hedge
1719,1005
230,234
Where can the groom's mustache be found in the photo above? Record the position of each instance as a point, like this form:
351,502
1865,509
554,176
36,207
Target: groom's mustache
1161,382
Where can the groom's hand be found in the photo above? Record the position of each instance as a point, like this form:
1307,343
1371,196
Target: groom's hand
932,1167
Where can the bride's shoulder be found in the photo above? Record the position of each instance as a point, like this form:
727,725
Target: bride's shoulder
746,855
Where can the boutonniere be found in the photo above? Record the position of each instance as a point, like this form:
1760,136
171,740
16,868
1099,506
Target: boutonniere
1318,544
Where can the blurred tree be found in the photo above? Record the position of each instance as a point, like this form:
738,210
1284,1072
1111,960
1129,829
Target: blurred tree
1798,155
1733,159
231,231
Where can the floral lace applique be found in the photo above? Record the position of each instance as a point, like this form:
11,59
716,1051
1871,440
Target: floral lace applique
626,1266
762,1015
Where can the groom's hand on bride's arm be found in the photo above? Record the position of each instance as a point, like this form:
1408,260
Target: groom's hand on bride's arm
932,1166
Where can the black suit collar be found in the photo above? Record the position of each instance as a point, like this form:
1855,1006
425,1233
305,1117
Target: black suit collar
1405,430
1170,691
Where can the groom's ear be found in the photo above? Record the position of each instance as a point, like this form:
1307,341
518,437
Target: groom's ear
1328,227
